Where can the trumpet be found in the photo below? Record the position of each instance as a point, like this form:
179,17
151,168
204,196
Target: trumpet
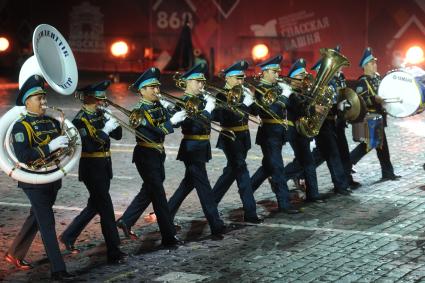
232,96
135,119
192,107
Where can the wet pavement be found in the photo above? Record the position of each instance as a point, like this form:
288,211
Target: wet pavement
376,234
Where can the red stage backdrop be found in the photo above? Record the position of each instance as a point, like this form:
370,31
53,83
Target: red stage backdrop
228,29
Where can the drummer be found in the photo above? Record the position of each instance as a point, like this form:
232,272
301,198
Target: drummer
367,88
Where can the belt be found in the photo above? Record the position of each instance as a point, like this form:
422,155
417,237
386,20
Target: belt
274,121
96,154
151,145
196,137
237,128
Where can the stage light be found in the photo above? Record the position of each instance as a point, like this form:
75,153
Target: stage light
260,51
119,48
4,44
414,55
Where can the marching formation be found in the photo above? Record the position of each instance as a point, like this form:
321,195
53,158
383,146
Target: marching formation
289,110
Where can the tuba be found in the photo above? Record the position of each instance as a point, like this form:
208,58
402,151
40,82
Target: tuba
55,62
321,94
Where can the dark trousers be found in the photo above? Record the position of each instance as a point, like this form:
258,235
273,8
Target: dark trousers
302,152
327,144
99,203
236,169
272,168
196,177
344,150
41,219
150,165
383,154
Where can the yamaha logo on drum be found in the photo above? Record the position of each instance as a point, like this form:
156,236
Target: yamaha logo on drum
55,38
400,78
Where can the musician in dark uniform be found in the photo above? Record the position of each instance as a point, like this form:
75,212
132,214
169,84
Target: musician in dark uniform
271,135
298,107
36,135
367,87
195,150
96,127
149,157
341,124
327,143
237,150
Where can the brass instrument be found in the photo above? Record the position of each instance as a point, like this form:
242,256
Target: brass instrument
233,97
332,60
268,97
192,106
54,159
135,119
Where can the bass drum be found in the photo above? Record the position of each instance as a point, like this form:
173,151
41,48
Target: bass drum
403,91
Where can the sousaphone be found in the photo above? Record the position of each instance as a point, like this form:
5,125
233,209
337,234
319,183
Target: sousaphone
54,61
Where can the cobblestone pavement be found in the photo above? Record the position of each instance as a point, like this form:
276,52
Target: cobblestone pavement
376,234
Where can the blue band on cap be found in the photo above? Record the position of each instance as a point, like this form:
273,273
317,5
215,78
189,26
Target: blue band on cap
315,68
98,93
271,66
151,81
366,60
296,72
235,73
196,76
32,91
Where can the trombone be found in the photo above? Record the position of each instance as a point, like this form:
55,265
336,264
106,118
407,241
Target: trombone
269,96
233,96
135,119
192,106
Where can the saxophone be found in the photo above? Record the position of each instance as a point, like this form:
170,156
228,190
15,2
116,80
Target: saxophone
321,94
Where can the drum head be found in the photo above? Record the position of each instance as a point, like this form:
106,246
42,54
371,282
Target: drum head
401,92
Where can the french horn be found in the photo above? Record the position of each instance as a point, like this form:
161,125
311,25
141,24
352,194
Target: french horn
54,61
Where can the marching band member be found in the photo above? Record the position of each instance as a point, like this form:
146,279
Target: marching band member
195,151
237,150
341,125
149,157
271,137
367,87
96,128
327,143
299,143
37,135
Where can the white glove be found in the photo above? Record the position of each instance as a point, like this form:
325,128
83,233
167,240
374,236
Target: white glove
286,89
209,107
248,97
343,105
165,103
58,142
178,117
110,125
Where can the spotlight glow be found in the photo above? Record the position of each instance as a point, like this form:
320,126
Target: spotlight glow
260,51
4,44
119,48
414,55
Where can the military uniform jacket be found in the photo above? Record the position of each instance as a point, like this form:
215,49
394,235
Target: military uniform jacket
94,141
155,124
229,119
367,88
271,131
31,135
192,149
